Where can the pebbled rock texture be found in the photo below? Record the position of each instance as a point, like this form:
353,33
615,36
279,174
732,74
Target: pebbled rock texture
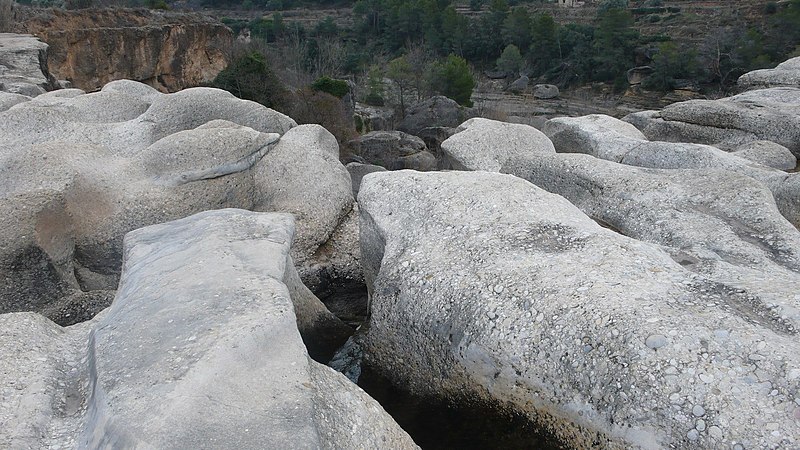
200,349
612,139
786,73
485,286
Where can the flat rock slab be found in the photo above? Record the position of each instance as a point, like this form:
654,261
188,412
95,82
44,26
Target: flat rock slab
483,285
200,349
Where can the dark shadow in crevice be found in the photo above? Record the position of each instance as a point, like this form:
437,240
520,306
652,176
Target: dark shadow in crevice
437,424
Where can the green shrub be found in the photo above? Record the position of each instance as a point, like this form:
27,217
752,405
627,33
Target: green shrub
249,77
337,88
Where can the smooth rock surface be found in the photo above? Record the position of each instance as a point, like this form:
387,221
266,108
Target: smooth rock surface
484,144
786,73
762,114
81,170
545,91
480,295
767,153
615,140
357,172
182,361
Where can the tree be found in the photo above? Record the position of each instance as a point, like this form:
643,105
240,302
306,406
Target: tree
545,49
249,77
669,64
517,28
510,62
614,45
453,78
401,73
375,87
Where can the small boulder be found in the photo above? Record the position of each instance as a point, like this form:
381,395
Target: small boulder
437,111
519,85
545,91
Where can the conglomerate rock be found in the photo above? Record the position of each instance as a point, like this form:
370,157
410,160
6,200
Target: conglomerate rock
199,350
484,286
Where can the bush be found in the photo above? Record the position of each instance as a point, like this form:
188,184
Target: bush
452,78
313,106
249,77
337,88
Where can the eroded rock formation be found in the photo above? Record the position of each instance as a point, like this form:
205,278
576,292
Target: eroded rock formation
81,170
485,286
169,51
200,349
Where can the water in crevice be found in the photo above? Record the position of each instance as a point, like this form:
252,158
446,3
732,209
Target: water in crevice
435,423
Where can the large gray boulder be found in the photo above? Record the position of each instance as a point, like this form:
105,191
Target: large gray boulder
394,150
521,300
437,111
484,144
612,139
720,224
786,73
200,349
763,114
23,65
78,171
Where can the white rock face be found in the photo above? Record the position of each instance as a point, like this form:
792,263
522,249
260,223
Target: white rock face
199,350
485,286
612,139
78,171
716,223
23,65
484,144
762,114
786,73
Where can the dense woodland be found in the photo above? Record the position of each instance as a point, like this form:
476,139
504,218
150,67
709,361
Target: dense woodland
410,41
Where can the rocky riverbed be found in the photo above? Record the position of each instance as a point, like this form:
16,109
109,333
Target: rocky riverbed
596,283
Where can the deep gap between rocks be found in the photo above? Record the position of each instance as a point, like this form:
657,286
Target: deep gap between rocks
432,423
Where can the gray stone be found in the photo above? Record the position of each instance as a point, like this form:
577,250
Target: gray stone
373,118
437,111
282,180
714,222
786,73
615,140
357,172
545,91
767,153
698,411
200,349
430,331
763,114
8,99
78,171
519,85
394,150
484,144
656,341
23,65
